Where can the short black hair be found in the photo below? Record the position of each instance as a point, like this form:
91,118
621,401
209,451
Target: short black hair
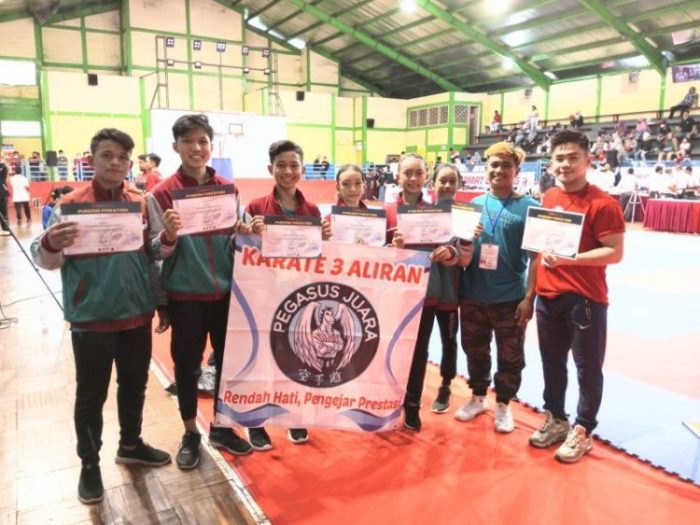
143,156
569,136
187,123
118,136
155,158
283,146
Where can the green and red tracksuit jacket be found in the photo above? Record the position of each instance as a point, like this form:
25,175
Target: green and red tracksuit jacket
104,292
196,267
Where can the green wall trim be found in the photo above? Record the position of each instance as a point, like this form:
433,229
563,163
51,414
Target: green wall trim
308,69
598,97
503,103
94,114
308,125
190,79
172,71
364,130
125,21
662,92
81,67
42,82
333,129
145,115
47,135
16,112
450,117
83,44
19,59
205,38
546,105
20,101
85,29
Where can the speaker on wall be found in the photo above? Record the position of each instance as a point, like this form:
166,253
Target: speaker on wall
51,158
300,96
92,79
370,122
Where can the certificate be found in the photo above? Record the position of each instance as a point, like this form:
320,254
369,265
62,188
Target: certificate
425,224
465,218
558,232
358,225
206,208
104,227
295,237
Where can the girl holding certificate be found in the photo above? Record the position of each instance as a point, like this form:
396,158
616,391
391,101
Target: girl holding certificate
442,285
445,281
350,183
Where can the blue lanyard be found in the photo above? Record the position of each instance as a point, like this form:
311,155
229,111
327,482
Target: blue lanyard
488,214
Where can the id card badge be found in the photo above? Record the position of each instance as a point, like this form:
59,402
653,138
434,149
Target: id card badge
488,259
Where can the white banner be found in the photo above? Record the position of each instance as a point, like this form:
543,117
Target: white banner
324,342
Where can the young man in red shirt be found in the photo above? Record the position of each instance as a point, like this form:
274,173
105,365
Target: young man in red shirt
572,299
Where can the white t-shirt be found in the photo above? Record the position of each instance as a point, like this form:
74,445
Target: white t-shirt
20,188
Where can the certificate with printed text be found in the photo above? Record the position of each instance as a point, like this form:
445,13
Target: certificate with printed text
425,224
292,237
558,232
358,225
465,218
206,208
104,227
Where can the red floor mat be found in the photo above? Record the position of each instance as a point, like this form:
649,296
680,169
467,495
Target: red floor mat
451,472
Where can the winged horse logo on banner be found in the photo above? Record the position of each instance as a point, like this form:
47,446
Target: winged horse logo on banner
317,341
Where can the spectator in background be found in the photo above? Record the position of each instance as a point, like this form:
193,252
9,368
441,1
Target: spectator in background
454,156
62,164
35,162
644,146
690,100
4,193
686,129
325,165
20,197
576,120
496,122
317,165
642,126
149,176
666,149
47,210
533,119
547,179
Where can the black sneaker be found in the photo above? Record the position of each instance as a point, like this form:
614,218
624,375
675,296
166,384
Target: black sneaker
143,454
259,439
90,489
171,388
442,401
188,453
298,435
227,439
411,418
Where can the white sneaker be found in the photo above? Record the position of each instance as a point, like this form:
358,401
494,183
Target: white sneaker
503,419
576,445
468,411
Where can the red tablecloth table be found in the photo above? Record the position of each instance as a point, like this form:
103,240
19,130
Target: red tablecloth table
671,215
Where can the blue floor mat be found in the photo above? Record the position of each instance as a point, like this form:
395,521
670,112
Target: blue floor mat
644,420
641,419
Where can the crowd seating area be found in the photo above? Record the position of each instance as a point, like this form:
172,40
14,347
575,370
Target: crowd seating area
625,124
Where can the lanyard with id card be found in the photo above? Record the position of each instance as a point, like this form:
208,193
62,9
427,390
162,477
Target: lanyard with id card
488,257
